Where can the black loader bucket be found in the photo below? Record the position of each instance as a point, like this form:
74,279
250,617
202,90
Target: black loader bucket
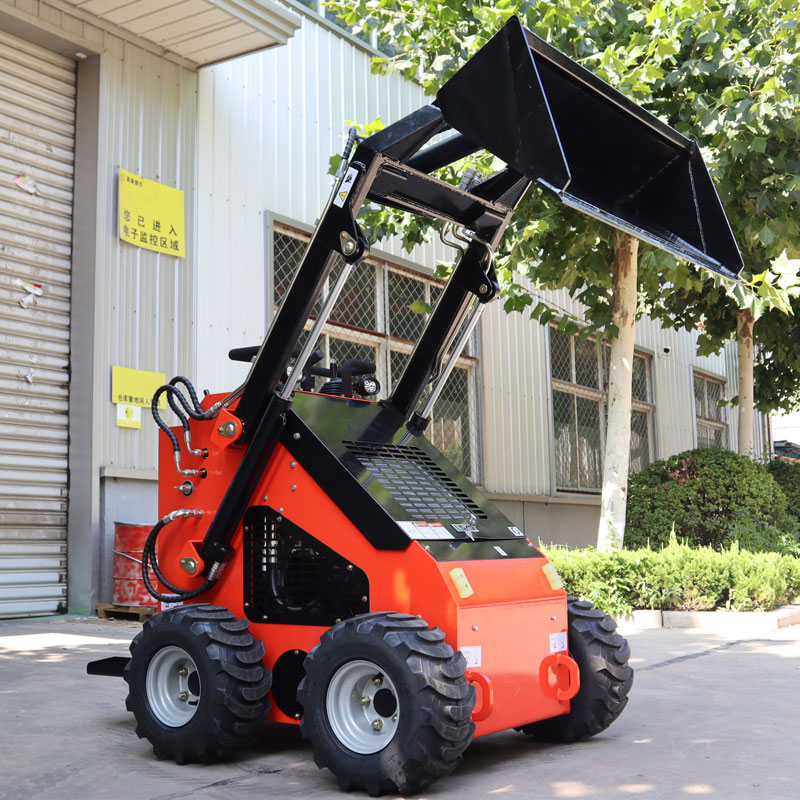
559,125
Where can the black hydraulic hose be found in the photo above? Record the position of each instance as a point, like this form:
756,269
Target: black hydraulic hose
174,398
149,560
352,137
195,411
184,420
160,422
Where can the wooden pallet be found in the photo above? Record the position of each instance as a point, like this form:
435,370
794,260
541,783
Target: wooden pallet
112,611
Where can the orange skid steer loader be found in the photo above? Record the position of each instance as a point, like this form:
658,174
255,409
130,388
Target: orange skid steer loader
327,566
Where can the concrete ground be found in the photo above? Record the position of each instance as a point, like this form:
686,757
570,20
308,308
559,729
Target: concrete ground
710,715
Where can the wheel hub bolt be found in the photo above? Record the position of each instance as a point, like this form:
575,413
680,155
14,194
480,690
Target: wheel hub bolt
365,701
377,724
183,696
183,672
377,680
394,718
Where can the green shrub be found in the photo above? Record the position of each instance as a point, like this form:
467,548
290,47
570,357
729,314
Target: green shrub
710,496
787,476
761,580
759,536
678,578
605,579
685,579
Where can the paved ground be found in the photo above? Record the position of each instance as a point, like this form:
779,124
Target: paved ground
709,716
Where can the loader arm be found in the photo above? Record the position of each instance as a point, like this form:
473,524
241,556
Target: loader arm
554,124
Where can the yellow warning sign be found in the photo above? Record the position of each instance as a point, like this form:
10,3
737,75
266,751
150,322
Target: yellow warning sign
136,387
151,215
129,416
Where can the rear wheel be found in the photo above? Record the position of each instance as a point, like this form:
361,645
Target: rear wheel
197,683
606,678
386,704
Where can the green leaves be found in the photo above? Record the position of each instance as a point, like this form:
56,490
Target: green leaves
420,307
723,72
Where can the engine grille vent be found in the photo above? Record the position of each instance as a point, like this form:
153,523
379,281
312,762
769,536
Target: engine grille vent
291,577
422,488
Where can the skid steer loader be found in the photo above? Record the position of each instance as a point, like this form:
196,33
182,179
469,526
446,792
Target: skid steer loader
326,566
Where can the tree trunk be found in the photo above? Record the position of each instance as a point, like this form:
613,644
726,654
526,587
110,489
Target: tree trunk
611,531
744,335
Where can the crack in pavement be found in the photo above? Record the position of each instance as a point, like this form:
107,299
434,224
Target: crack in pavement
702,653
224,782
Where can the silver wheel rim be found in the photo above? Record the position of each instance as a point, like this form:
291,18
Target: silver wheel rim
173,686
362,706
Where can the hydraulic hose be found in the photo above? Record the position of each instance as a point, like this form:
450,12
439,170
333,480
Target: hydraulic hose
196,411
149,560
183,409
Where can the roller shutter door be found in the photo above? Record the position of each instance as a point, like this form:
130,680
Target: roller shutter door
37,130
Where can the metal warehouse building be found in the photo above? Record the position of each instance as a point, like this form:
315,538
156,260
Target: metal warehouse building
89,87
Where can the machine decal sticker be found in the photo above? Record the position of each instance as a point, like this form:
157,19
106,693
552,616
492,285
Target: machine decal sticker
472,655
516,531
500,550
461,582
553,578
345,187
425,530
558,642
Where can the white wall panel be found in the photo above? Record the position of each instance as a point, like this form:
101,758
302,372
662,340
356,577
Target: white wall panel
269,124
146,299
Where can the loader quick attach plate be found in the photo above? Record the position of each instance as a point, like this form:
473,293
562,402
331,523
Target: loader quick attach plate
396,492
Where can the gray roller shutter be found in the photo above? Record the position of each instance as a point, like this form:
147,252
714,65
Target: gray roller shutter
37,130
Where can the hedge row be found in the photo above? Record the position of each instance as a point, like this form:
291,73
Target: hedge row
678,578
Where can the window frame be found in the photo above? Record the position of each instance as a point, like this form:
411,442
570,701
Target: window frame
598,395
723,423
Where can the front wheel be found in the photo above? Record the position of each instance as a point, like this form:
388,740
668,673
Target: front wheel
386,704
606,678
197,683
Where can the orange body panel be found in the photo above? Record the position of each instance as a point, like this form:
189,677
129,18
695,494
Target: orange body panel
504,627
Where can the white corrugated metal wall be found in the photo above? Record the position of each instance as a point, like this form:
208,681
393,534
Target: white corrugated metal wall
147,299
269,124
144,301
37,129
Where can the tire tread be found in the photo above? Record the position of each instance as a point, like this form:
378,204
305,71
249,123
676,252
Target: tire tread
442,693
238,696
606,677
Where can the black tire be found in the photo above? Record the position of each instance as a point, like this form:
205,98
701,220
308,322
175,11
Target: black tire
205,653
606,678
425,703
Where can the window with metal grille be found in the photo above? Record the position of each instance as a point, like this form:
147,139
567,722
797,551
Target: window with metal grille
579,379
712,425
379,317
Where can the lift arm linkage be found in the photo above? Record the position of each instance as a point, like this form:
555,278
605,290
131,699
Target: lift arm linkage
553,123
379,171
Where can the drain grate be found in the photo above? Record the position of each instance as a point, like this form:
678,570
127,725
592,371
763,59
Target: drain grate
422,488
